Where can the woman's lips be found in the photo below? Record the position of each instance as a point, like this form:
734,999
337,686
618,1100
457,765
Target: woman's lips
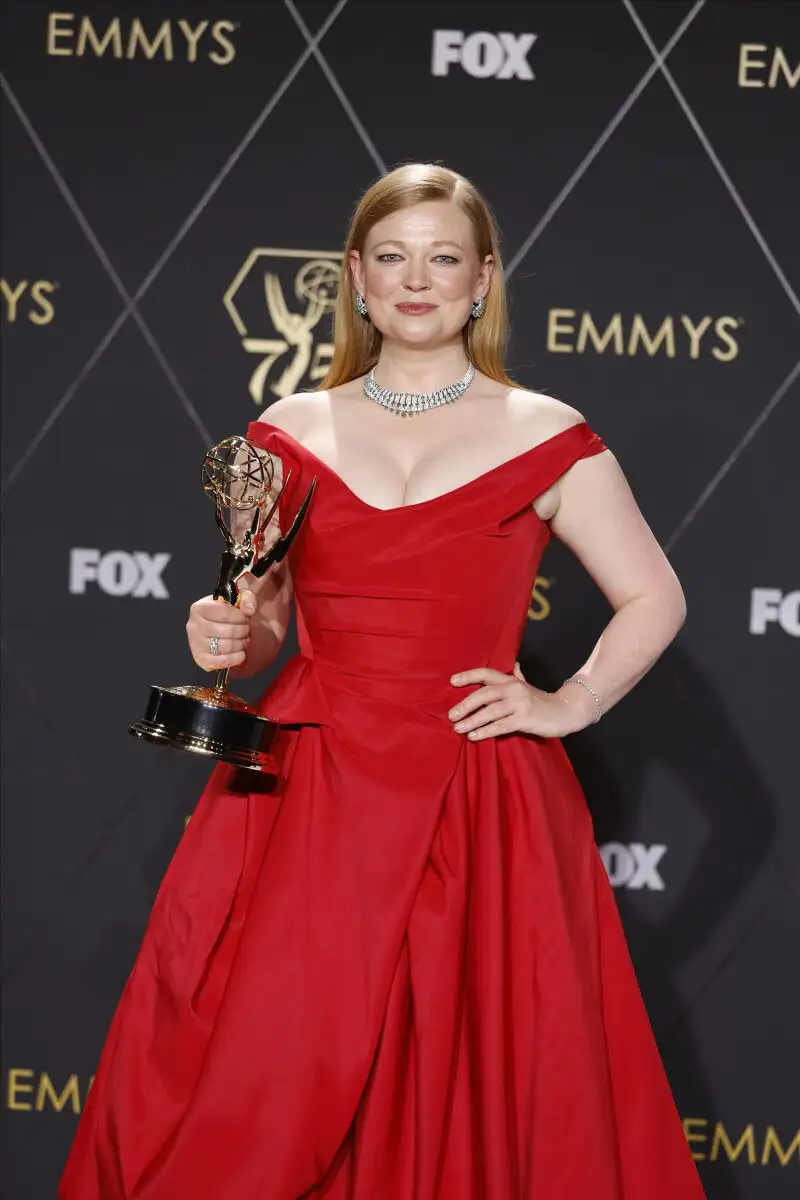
415,310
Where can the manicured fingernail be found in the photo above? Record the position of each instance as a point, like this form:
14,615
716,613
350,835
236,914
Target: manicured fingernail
455,679
460,727
473,735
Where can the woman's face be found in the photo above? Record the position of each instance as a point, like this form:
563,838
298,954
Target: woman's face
420,273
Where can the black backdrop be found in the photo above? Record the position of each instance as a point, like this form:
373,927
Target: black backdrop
161,163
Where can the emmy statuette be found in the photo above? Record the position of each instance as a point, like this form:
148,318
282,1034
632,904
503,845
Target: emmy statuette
213,721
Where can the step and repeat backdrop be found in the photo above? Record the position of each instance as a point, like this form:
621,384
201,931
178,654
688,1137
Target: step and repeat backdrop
176,189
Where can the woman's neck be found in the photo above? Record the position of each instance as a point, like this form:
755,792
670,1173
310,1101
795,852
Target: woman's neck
406,369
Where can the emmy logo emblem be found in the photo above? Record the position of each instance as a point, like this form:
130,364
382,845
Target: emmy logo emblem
292,355
212,720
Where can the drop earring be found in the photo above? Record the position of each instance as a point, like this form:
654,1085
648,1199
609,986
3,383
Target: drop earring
361,305
478,308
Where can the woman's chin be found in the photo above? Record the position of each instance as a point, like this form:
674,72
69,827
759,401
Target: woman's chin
423,334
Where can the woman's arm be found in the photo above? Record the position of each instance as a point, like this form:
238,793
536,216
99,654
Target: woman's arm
600,521
598,518
268,602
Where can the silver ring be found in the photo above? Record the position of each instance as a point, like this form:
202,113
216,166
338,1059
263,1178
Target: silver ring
213,645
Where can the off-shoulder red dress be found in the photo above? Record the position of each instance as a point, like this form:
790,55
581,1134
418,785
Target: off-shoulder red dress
401,974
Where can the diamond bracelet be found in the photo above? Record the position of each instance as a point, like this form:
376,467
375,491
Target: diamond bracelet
591,691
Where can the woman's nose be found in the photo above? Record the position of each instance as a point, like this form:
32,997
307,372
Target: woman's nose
417,276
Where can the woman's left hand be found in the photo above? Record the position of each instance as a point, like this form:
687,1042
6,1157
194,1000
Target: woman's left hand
507,704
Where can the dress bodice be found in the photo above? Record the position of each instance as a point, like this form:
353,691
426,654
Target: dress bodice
391,602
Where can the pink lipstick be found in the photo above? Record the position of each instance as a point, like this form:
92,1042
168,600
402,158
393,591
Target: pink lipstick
415,310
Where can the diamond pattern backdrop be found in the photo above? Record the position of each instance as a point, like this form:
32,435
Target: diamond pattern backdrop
161,163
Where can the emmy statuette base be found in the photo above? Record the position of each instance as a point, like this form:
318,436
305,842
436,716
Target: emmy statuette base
209,721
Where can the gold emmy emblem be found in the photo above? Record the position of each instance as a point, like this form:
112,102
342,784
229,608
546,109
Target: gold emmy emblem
315,284
212,720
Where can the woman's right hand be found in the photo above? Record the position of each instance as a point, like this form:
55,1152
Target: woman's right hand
230,625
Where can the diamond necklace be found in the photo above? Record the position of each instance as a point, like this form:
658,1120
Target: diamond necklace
406,404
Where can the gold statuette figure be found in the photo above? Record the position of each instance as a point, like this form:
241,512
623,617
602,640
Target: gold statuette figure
239,476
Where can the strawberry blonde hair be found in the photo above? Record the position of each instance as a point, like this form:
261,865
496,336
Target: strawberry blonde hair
356,341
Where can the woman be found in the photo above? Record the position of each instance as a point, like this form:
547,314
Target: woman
400,972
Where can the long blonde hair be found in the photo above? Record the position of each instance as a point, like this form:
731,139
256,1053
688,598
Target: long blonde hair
356,341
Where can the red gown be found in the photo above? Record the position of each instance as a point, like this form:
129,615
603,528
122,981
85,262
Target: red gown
401,973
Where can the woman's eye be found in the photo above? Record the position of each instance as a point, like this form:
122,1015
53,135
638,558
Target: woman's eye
392,257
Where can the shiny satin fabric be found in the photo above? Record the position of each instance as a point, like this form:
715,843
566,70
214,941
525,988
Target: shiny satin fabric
399,973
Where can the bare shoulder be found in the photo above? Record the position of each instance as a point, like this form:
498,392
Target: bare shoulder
537,418
296,414
543,415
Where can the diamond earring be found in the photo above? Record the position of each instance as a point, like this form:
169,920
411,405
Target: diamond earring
478,308
361,305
